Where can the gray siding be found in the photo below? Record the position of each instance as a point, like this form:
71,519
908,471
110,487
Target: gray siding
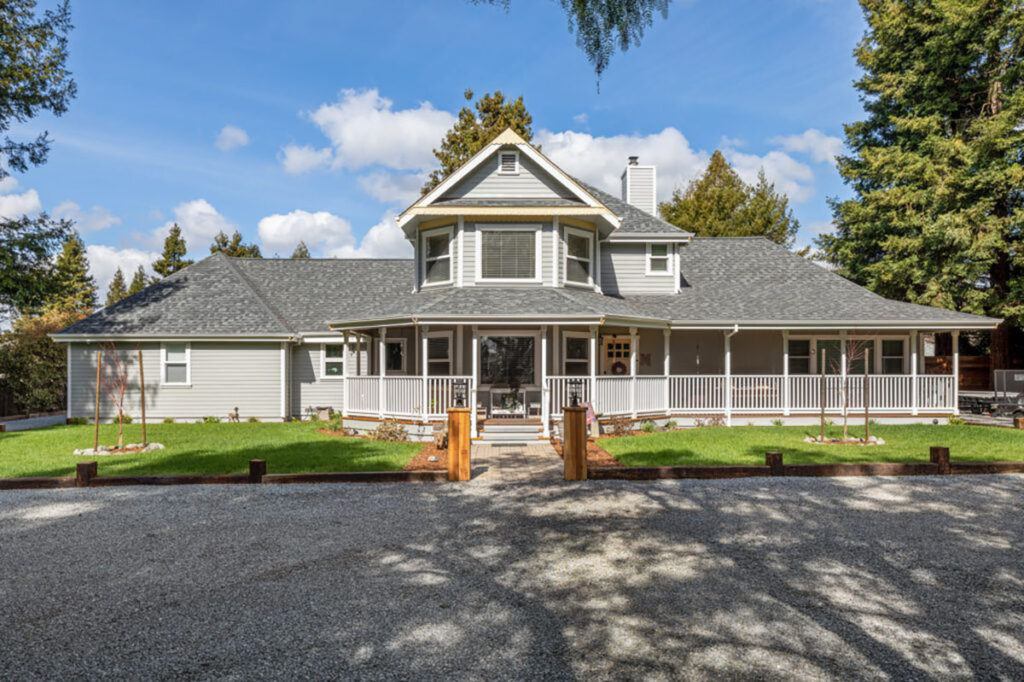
532,182
639,182
309,389
224,375
623,271
547,251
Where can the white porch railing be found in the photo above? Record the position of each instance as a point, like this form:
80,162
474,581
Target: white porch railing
403,397
753,394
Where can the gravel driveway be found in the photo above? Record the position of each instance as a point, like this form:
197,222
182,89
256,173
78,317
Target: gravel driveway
774,578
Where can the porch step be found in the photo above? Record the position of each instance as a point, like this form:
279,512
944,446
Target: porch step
493,427
494,431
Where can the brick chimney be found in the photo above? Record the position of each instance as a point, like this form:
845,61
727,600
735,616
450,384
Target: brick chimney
639,186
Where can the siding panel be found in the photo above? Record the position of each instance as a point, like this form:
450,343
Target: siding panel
623,271
485,182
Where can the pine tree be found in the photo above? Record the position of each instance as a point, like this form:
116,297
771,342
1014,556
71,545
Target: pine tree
117,289
720,204
937,164
173,257
301,251
76,289
139,281
234,246
474,130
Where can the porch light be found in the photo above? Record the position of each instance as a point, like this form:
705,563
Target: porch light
460,389
575,389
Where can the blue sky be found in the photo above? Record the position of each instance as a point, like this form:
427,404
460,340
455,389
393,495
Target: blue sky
331,110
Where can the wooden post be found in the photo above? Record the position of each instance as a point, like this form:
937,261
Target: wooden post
574,446
1018,422
84,473
940,456
458,444
142,398
96,429
257,470
773,460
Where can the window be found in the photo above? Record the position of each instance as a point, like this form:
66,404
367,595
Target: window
176,365
659,260
333,361
799,356
578,247
508,254
508,163
439,354
394,356
507,360
437,259
617,354
892,356
576,354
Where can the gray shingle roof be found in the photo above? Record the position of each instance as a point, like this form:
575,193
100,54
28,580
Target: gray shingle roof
633,219
746,279
726,281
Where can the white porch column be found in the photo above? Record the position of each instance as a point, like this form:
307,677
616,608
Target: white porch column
593,366
728,378
842,371
666,335
558,366
475,359
544,392
459,363
381,341
423,372
956,372
633,359
913,372
785,373
345,373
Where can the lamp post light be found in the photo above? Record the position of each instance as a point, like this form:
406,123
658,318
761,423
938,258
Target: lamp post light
575,389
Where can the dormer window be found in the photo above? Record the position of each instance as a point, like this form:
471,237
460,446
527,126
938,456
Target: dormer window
659,259
508,163
508,253
437,258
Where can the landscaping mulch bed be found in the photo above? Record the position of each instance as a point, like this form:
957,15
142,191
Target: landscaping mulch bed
596,455
419,462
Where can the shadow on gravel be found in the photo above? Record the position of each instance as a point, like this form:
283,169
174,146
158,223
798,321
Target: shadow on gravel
853,578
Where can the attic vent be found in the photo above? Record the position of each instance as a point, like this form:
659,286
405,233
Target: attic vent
508,162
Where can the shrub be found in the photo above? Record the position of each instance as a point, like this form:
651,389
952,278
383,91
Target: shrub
956,420
126,419
777,422
210,419
648,427
336,422
620,426
168,420
77,421
671,425
390,430
253,420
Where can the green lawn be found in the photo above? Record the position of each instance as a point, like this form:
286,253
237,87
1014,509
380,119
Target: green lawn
200,449
746,445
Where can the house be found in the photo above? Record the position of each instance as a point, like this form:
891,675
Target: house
528,289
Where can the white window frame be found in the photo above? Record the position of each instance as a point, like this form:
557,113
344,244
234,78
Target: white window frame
514,153
451,355
449,230
537,359
405,357
323,363
164,363
589,236
669,269
565,356
879,360
810,355
876,349
509,227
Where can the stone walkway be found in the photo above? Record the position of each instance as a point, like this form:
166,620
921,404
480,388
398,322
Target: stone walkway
516,463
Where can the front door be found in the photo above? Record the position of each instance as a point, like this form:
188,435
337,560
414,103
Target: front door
615,355
508,372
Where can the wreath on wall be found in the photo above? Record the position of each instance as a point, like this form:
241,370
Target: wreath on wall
619,367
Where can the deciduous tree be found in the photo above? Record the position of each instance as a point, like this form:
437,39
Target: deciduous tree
33,366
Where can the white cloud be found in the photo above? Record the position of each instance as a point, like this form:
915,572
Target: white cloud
231,137
819,146
322,231
789,175
330,235
383,240
8,184
95,218
199,221
17,205
601,160
105,260
366,131
581,119
401,188
296,159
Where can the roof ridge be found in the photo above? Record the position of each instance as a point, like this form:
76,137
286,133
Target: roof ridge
280,319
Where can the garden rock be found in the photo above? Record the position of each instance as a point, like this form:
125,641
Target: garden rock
104,450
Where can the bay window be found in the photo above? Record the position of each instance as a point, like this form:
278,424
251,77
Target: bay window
578,254
508,253
437,259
